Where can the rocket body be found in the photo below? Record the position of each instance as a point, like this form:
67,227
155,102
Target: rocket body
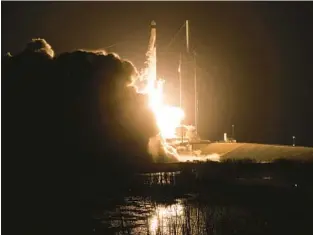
151,54
152,35
152,39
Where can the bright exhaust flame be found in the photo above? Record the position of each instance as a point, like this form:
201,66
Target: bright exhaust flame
168,117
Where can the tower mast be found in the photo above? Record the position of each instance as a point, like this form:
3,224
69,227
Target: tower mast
180,94
187,36
196,91
195,76
180,82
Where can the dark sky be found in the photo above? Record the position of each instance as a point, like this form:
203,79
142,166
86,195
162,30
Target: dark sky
255,59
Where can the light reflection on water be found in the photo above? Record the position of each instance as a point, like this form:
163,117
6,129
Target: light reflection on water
165,218
161,178
142,216
161,214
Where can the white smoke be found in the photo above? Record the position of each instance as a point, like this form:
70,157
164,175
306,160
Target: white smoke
40,45
158,148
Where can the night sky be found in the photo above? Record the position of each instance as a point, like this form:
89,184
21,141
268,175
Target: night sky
254,59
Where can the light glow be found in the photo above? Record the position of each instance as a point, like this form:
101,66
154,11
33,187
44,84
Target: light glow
168,117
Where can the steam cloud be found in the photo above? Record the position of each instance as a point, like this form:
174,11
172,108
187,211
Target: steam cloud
78,105
40,45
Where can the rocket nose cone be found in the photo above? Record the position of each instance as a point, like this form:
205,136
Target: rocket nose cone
153,23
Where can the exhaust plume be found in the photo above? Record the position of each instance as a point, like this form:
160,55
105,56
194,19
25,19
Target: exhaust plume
168,118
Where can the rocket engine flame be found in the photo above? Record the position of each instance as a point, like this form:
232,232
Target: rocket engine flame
168,117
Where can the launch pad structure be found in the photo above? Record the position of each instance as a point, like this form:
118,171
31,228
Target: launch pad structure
223,149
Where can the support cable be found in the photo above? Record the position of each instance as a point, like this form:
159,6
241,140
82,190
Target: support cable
174,37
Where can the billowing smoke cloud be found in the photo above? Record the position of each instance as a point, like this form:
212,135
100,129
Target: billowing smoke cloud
161,150
40,45
78,105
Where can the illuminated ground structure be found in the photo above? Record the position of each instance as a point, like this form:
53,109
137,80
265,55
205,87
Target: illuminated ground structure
257,152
